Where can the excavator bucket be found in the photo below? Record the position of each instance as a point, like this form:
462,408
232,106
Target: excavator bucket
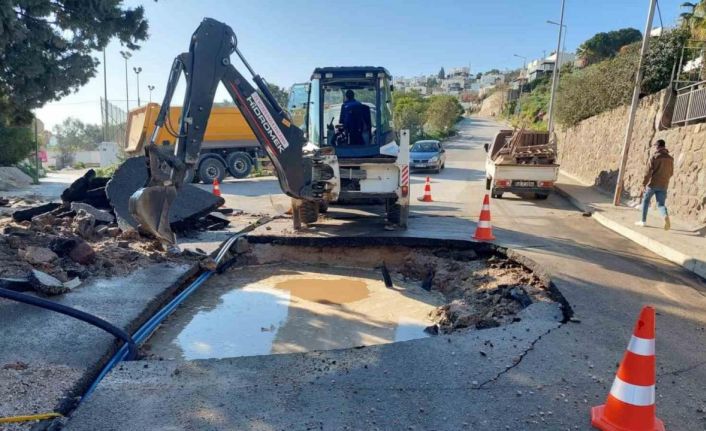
150,207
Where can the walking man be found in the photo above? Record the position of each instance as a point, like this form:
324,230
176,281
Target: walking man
656,182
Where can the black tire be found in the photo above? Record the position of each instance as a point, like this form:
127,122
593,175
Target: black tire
541,196
323,207
309,212
211,168
437,170
239,164
496,194
488,182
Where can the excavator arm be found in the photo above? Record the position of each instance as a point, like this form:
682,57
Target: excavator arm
301,176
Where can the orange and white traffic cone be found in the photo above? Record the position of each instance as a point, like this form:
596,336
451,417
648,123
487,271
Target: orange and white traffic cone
427,192
216,188
630,405
484,231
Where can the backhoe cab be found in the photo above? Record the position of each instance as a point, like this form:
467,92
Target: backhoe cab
347,111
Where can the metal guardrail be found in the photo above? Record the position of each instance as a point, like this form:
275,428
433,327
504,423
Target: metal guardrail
690,105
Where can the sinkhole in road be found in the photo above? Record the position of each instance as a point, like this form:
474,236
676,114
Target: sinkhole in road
284,299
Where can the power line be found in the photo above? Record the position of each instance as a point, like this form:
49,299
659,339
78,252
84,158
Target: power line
661,24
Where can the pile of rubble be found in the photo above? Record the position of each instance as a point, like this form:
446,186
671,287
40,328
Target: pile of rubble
480,293
53,247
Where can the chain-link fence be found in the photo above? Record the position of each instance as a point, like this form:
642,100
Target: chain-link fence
114,123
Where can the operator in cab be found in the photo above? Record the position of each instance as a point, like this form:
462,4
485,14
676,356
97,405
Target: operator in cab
355,118
347,109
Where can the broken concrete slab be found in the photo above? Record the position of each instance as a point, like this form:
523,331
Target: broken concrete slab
47,284
27,214
100,215
84,224
190,204
37,255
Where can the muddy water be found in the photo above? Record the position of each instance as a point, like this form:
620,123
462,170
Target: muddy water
327,291
279,309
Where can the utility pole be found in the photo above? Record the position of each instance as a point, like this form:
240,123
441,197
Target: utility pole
555,74
150,88
105,100
137,71
635,102
36,150
126,55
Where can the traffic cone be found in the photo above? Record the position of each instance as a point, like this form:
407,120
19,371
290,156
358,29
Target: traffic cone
630,405
216,188
484,231
427,192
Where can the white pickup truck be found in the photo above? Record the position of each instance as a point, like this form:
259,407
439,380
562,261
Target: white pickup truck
521,163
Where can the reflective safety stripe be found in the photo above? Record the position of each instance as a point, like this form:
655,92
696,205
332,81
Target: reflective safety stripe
484,224
486,208
642,346
633,394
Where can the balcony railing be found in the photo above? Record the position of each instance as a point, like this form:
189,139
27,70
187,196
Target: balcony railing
690,105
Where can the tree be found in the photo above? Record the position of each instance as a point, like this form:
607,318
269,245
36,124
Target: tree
432,82
603,46
409,113
695,19
48,46
281,95
443,113
73,135
16,143
441,74
609,84
493,72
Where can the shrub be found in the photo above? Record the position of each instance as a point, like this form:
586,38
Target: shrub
609,84
16,143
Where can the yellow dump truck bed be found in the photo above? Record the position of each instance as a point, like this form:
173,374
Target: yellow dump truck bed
226,128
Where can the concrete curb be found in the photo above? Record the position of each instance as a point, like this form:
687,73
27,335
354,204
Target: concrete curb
687,262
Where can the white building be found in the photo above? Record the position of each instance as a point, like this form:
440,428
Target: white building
543,66
491,79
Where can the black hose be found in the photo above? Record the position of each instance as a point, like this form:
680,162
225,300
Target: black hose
77,314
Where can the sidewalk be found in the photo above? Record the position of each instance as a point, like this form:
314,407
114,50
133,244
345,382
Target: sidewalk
684,244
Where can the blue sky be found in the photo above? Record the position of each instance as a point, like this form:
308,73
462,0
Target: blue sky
284,40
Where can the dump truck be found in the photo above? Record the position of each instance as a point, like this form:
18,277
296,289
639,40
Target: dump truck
521,162
229,146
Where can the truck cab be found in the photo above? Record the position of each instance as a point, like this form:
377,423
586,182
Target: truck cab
349,113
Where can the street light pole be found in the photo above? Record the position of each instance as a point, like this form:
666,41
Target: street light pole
126,55
137,71
555,75
633,106
524,68
105,99
150,88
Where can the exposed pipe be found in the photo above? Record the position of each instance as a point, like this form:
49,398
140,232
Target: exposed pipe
129,346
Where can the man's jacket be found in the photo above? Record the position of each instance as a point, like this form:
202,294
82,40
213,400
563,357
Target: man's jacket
660,170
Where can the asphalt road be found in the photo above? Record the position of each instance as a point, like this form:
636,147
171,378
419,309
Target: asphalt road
546,380
605,277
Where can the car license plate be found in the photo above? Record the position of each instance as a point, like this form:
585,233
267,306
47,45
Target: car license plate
420,165
524,183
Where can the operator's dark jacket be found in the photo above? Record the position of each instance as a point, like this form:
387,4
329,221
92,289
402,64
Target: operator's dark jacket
660,170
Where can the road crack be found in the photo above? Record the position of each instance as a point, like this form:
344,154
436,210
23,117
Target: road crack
518,361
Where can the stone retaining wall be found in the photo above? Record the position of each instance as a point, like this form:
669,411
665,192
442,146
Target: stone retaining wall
590,151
